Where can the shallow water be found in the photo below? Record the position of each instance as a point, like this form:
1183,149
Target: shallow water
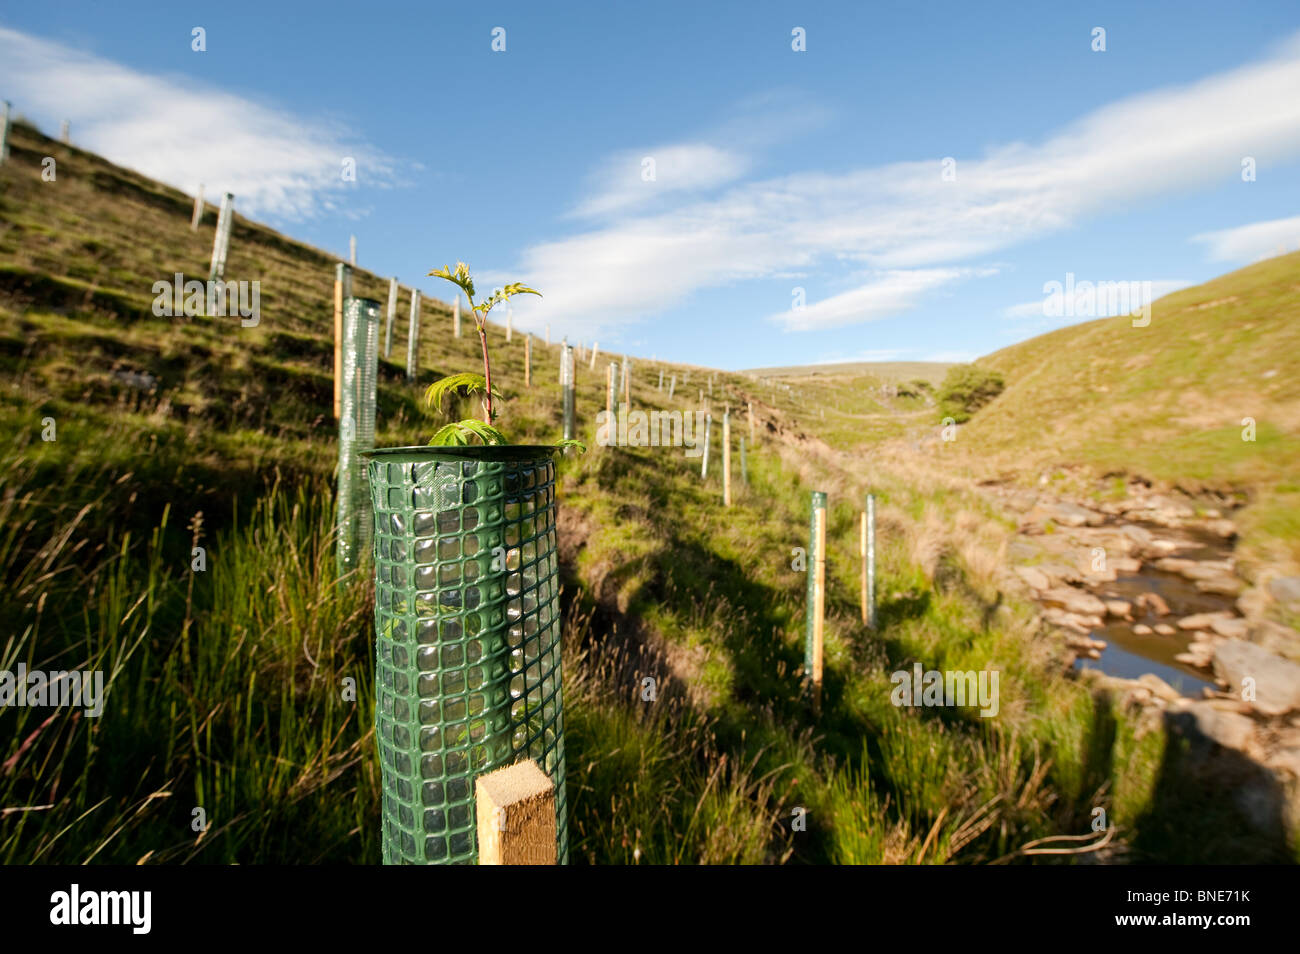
1128,655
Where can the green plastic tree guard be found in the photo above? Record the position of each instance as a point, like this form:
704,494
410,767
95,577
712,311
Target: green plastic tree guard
818,503
468,637
356,428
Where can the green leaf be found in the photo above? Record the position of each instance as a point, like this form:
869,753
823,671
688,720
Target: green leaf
468,380
458,276
459,433
566,444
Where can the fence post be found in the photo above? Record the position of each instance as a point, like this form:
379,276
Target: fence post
515,809
708,439
566,379
455,317
726,457
627,382
751,422
528,361
744,469
816,597
609,391
672,386
221,239
869,566
392,315
198,210
510,321
413,336
4,131
352,250
595,350
661,380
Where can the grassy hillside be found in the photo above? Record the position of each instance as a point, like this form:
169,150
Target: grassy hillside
226,684
1168,402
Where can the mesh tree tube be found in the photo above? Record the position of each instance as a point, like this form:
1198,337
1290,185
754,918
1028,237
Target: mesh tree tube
818,503
467,637
356,427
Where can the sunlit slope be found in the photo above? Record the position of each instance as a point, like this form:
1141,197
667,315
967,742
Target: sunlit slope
1170,401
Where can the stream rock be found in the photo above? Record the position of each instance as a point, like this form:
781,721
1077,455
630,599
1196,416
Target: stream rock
1202,620
1075,601
1286,590
1277,680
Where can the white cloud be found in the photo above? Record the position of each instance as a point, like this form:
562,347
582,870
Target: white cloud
903,216
623,185
1249,243
888,293
182,133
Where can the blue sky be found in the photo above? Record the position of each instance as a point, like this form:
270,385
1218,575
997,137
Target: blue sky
774,170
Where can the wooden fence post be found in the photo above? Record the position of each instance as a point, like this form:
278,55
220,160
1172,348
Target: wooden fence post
516,816
595,350
510,322
751,422
609,394
528,361
708,439
672,386
4,131
198,210
455,317
744,469
352,250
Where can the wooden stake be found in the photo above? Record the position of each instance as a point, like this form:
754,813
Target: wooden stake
751,422
198,210
595,350
352,250
609,393
516,816
528,361
819,609
871,560
455,317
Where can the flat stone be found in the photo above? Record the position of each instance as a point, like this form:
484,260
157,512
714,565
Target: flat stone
1220,585
1232,627
1174,564
1159,687
1201,620
1033,577
1154,602
1121,609
1286,590
1142,629
1231,730
1075,601
1164,629
1277,680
